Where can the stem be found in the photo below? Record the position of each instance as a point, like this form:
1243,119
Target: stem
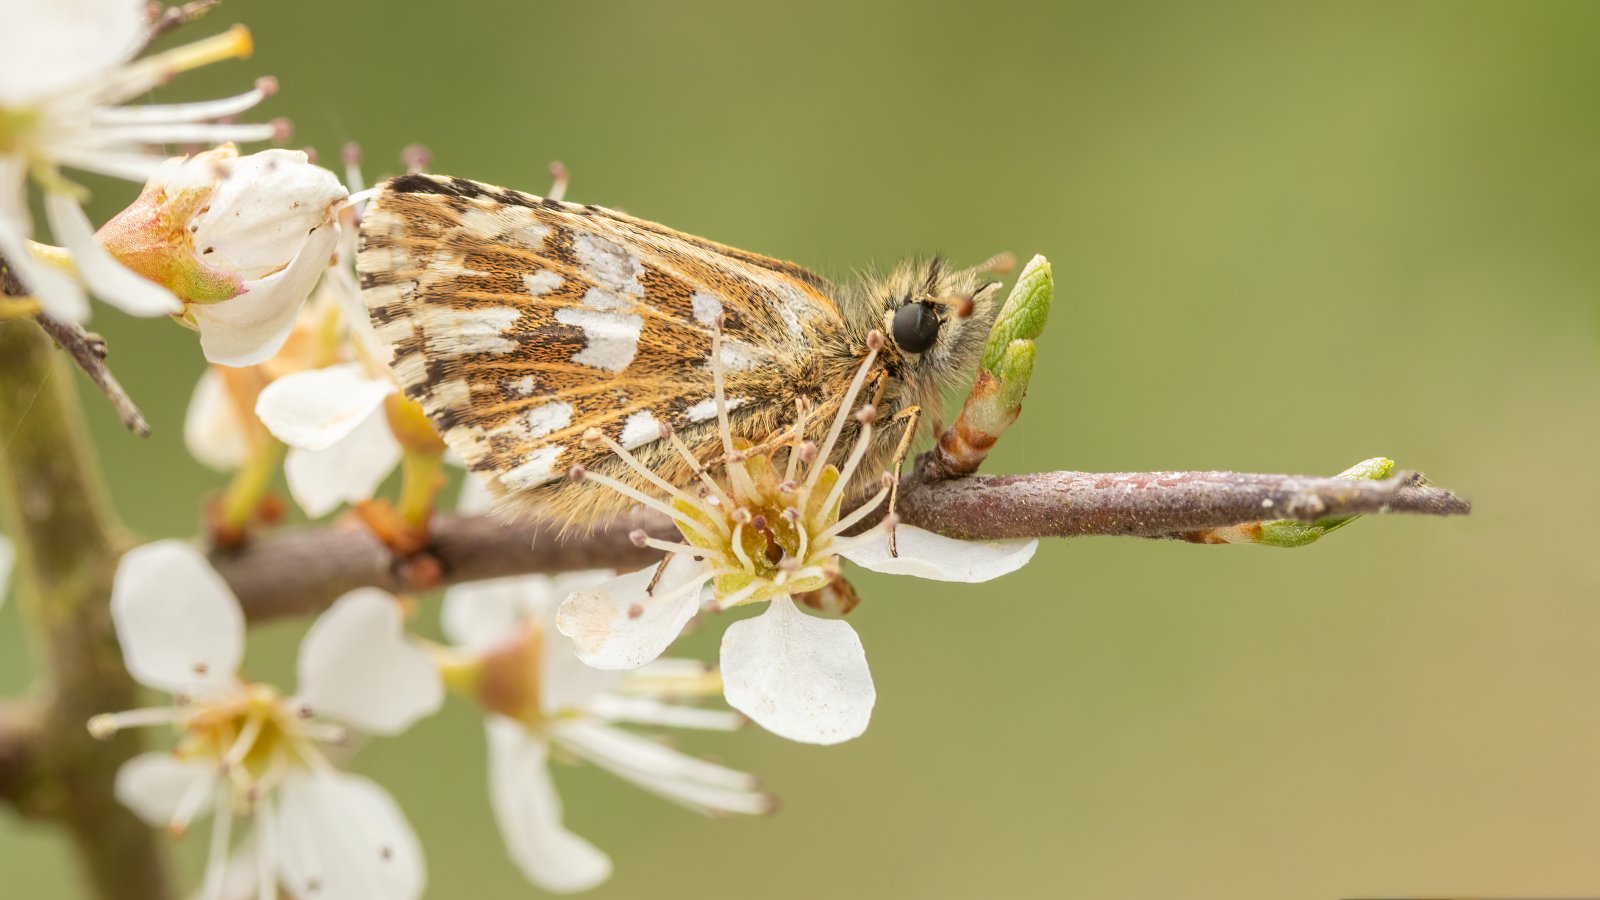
89,352
421,478
55,508
250,484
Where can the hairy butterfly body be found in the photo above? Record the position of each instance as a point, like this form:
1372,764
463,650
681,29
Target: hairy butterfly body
520,322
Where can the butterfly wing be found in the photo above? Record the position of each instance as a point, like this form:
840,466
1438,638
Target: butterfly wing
519,322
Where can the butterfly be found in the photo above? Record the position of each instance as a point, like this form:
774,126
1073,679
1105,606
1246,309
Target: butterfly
519,323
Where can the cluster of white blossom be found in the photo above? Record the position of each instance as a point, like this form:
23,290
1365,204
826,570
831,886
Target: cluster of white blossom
233,246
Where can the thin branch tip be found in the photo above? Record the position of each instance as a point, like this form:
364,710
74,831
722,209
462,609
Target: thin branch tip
89,352
304,570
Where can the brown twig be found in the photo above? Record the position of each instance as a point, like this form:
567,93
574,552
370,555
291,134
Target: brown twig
1157,504
88,350
55,508
304,570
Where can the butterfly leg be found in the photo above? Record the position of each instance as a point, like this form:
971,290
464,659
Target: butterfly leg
661,569
913,417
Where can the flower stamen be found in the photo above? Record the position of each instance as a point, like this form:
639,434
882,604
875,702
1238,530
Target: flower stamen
874,343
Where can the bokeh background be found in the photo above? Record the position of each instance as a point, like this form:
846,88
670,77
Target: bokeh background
1286,237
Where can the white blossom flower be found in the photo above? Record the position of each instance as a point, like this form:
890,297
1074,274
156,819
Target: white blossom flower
335,423
246,749
65,79
767,534
213,430
539,696
345,424
240,240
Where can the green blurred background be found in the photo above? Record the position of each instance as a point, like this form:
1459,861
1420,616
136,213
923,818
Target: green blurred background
1286,237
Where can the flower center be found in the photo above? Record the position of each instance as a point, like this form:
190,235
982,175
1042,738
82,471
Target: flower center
761,530
251,732
15,124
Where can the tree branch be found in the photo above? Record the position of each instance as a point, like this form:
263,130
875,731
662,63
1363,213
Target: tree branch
304,570
56,510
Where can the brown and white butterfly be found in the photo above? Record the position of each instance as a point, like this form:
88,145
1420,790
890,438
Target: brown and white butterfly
520,322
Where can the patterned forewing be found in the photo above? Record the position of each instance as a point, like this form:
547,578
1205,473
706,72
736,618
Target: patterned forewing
519,322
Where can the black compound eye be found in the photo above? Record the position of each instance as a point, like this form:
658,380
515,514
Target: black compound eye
915,327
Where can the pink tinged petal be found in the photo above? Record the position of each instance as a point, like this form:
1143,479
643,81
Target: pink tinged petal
316,409
695,783
57,293
179,625
68,43
263,209
798,676
528,810
924,554
212,429
341,837
357,666
161,788
110,280
619,625
347,472
251,327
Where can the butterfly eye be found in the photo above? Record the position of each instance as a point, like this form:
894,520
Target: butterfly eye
915,327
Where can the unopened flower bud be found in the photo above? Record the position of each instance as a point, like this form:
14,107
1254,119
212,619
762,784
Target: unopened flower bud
239,240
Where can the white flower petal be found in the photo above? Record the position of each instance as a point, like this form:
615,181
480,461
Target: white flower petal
315,410
342,837
798,676
179,625
252,326
567,683
475,497
618,625
263,209
63,44
238,877
663,771
110,280
347,472
924,554
619,750
357,666
645,711
58,294
156,785
212,428
480,614
8,557
528,810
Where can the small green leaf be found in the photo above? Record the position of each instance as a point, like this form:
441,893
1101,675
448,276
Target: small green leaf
1023,315
1286,533
1013,370
1374,469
